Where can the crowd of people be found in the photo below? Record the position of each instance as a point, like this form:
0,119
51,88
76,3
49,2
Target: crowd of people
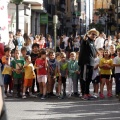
31,67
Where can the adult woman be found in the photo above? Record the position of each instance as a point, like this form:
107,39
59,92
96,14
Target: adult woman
28,45
62,45
108,42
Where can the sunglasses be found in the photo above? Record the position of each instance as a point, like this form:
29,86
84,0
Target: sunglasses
94,34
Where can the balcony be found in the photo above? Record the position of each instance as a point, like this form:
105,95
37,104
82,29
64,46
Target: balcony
33,2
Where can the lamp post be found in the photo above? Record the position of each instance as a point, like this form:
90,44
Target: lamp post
17,2
62,5
80,25
55,21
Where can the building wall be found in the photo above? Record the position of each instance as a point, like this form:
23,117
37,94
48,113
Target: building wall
12,14
101,4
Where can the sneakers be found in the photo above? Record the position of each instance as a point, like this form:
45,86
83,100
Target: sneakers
85,97
91,97
102,96
9,94
43,97
109,95
69,95
60,97
33,96
95,95
24,97
5,96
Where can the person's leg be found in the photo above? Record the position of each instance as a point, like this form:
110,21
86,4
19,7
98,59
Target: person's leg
49,85
19,87
117,83
82,79
103,80
59,85
89,73
33,85
70,86
64,86
75,85
110,86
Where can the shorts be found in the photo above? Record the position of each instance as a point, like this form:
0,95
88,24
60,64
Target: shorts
105,76
63,79
76,49
42,78
28,82
7,79
17,81
96,80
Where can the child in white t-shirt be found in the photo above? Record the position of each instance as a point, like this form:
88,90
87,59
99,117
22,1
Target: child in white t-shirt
96,77
116,63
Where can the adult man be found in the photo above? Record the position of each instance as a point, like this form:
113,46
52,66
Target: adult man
65,39
99,42
86,61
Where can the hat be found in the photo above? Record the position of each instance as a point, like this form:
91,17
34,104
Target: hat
93,30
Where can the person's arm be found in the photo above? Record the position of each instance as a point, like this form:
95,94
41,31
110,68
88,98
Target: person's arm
1,100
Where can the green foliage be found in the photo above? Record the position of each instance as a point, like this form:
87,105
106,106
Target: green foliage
100,11
98,26
16,1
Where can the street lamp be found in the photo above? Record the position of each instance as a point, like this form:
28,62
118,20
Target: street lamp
17,2
55,21
80,25
62,5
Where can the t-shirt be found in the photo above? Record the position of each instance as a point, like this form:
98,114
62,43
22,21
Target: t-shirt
106,71
20,41
62,66
29,71
41,63
52,65
33,56
7,69
117,61
96,71
14,64
99,42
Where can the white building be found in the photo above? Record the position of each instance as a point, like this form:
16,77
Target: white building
29,16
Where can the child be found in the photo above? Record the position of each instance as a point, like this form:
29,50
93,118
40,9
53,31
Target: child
17,67
96,77
116,63
7,71
62,68
100,52
113,55
52,71
41,67
73,71
105,65
34,56
24,53
58,58
29,76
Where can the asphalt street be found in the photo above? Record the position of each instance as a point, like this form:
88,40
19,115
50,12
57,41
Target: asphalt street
65,109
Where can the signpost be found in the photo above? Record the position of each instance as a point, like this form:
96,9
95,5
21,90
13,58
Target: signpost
55,21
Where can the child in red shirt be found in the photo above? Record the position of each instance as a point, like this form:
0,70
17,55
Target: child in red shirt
41,67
